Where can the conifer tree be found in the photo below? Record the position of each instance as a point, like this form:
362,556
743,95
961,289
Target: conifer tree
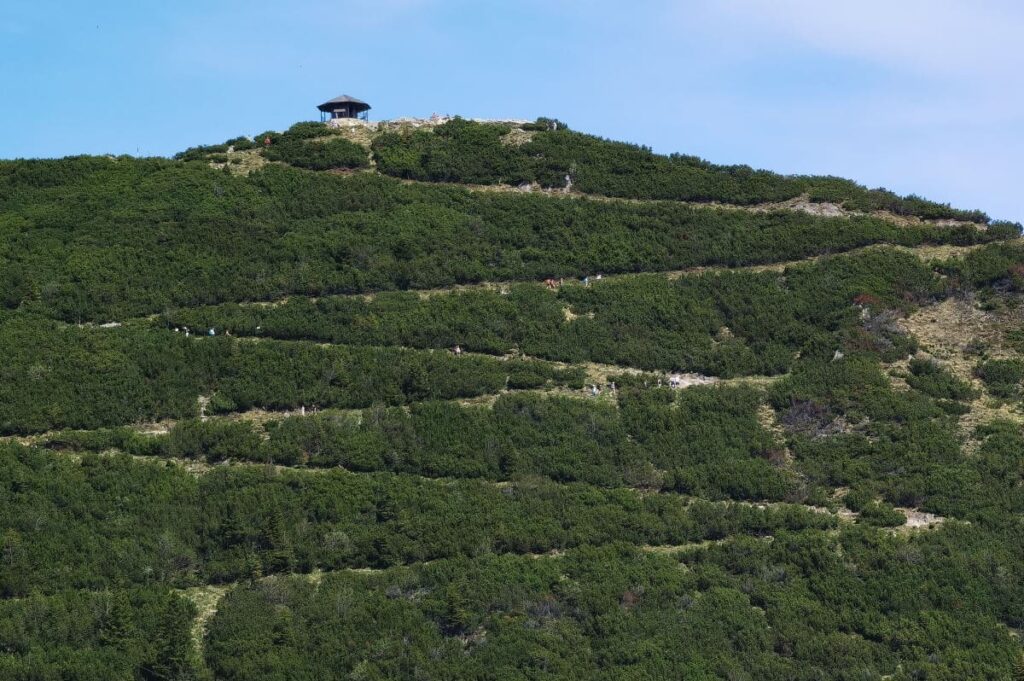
457,613
281,556
175,658
117,628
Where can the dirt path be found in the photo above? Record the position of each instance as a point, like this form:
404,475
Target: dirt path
917,520
259,416
799,204
930,325
364,133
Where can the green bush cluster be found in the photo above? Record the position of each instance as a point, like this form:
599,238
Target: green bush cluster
112,521
849,428
881,515
1003,377
477,153
993,265
726,324
1015,338
109,635
457,151
705,442
931,378
310,146
206,152
801,607
659,534
67,377
101,239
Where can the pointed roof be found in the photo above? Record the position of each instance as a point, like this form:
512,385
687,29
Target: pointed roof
331,104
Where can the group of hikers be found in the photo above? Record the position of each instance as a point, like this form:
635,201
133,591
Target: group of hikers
209,332
553,283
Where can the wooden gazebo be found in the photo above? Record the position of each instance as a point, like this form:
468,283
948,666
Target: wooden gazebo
343,107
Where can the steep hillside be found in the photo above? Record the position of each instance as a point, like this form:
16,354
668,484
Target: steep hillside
492,400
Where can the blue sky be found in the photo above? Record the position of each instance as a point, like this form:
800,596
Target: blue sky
923,96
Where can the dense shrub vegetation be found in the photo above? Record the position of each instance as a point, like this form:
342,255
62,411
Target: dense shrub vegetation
706,442
119,635
100,239
110,521
1003,377
726,324
327,155
999,265
615,612
204,153
68,377
852,429
465,151
302,146
932,379
373,504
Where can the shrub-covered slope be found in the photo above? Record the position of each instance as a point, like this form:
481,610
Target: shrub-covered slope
299,407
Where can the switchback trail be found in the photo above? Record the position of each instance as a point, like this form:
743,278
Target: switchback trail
924,252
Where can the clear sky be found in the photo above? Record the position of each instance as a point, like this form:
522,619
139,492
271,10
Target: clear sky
923,96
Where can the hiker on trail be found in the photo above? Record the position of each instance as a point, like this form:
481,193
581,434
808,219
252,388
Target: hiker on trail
457,350
613,387
186,331
586,281
211,332
594,390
